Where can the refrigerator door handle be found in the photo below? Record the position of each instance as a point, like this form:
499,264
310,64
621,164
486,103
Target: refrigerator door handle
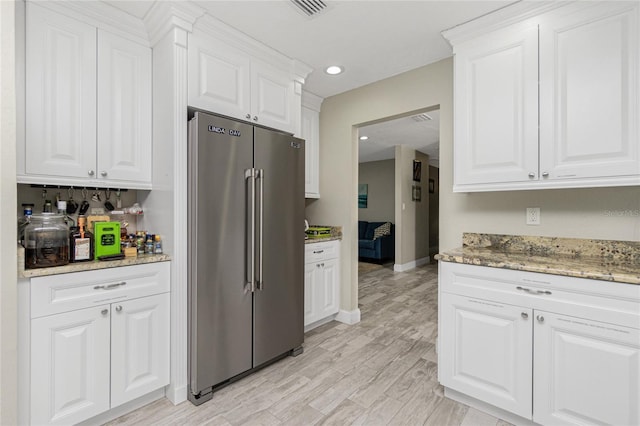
260,177
250,177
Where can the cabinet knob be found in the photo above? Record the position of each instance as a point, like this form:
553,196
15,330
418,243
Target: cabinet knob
104,311
103,173
524,315
118,308
532,175
91,173
540,318
255,118
545,174
248,116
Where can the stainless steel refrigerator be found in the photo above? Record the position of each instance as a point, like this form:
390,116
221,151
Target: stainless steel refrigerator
246,250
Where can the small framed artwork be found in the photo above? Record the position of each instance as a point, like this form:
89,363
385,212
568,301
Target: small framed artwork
417,170
432,186
416,193
363,195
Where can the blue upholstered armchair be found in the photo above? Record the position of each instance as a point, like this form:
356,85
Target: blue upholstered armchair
379,248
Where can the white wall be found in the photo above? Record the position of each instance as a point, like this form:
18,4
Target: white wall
8,259
379,175
604,213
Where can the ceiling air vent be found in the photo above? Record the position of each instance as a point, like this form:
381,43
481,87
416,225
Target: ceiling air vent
422,117
310,7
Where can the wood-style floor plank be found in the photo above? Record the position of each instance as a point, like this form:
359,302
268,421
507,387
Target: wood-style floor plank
381,371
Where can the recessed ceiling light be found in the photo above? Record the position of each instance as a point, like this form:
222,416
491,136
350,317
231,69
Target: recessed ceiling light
364,138
334,70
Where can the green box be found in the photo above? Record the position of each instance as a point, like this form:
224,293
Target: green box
107,235
318,232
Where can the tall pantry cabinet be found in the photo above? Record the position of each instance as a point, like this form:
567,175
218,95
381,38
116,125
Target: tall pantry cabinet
547,96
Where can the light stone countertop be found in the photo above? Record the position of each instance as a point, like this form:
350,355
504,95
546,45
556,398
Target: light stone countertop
336,234
606,260
86,266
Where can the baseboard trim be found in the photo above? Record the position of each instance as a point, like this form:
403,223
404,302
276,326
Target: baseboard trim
348,317
488,408
177,395
410,265
318,323
125,408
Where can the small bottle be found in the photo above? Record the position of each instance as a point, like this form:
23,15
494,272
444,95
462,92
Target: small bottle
62,209
157,246
140,241
148,245
27,210
47,207
81,242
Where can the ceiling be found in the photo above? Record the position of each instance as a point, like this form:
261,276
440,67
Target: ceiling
372,40
415,131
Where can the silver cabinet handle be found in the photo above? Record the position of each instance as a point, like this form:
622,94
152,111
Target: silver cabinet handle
255,118
118,308
540,318
318,251
317,265
532,175
545,174
109,286
91,173
248,116
104,311
524,315
103,173
322,264
528,290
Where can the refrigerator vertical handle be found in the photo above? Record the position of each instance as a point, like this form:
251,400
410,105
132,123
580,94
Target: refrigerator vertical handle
260,177
250,177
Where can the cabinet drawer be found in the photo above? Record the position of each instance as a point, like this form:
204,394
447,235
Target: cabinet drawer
315,252
66,292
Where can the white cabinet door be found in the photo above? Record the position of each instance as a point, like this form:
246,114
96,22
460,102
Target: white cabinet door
219,78
585,372
496,107
124,109
273,97
70,366
311,278
311,135
486,351
327,288
590,92
139,347
60,95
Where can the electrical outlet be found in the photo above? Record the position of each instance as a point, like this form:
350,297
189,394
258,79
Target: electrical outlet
533,216
97,210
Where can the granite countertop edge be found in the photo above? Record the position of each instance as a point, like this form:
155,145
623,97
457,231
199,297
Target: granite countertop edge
92,266
590,268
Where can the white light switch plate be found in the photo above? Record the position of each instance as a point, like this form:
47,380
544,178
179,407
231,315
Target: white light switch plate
533,216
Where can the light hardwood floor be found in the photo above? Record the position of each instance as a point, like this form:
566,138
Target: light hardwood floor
381,371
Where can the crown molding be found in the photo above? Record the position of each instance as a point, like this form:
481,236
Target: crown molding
311,101
508,15
101,15
167,15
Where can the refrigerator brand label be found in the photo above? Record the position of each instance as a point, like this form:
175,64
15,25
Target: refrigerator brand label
222,130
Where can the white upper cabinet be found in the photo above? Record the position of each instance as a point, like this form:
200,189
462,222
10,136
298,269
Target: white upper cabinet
496,114
124,109
589,87
231,75
88,105
61,95
552,101
310,132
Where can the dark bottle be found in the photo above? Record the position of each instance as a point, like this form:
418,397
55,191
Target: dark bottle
24,221
81,242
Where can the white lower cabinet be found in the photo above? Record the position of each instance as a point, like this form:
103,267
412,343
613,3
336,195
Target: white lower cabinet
98,339
554,350
321,282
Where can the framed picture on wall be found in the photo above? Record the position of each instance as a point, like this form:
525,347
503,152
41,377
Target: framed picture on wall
432,186
363,195
416,193
417,170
